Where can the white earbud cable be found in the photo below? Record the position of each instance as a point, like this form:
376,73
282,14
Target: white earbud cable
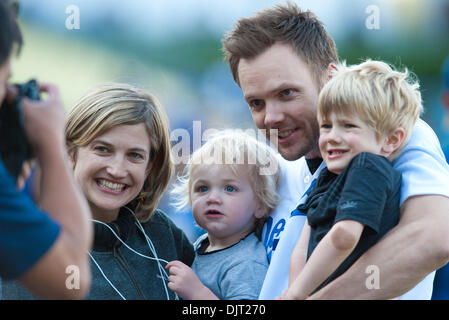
162,272
101,270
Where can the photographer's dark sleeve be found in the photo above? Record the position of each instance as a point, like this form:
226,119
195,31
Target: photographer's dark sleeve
26,233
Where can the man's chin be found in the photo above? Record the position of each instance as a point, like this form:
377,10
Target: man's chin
290,155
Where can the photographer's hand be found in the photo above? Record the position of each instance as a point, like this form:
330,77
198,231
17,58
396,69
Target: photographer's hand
44,122
11,93
24,174
59,196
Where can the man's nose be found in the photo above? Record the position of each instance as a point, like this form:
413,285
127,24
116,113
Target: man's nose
274,115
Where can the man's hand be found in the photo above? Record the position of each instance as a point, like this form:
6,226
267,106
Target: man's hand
44,121
24,174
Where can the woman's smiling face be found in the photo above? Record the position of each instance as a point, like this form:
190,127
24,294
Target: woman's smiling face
112,169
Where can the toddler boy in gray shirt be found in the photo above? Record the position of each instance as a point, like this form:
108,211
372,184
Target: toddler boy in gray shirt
231,184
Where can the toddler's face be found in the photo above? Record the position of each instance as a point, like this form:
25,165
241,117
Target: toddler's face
342,137
223,202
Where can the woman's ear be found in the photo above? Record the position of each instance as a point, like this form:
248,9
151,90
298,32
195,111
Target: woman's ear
72,158
393,141
148,169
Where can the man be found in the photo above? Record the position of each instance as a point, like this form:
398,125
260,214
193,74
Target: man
281,58
46,252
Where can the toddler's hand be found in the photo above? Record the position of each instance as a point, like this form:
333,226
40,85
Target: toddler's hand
183,280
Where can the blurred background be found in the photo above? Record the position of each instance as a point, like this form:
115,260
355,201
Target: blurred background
172,48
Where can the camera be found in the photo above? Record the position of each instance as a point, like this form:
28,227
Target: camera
14,147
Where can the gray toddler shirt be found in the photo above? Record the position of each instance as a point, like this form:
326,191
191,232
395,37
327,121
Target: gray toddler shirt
233,273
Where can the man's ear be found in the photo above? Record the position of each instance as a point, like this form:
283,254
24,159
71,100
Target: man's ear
393,141
331,69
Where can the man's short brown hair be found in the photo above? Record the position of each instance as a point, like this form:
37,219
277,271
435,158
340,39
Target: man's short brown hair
285,24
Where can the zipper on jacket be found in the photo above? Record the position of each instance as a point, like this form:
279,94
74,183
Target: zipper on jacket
123,263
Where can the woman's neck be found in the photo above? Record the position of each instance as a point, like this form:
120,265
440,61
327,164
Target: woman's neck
103,215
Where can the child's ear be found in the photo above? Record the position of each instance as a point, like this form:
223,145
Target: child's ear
260,211
393,141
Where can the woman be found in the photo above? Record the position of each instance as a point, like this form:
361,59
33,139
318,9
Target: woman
118,141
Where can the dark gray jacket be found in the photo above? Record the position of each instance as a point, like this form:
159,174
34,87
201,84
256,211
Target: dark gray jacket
135,277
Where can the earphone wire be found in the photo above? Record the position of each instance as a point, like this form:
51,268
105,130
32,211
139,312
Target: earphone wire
162,272
104,276
153,251
128,247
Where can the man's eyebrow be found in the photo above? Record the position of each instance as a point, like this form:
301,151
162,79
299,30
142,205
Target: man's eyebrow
248,98
286,85
279,87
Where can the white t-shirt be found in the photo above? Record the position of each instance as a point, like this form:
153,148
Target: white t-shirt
424,171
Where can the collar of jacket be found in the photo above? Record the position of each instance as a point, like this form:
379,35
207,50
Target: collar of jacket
105,240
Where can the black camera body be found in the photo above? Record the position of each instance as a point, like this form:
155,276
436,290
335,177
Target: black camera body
14,146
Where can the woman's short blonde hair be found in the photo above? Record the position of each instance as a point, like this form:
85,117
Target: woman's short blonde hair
385,99
110,105
235,148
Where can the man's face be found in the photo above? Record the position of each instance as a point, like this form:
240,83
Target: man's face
5,72
282,94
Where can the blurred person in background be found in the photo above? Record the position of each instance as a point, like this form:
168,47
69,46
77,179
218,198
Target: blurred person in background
441,282
38,245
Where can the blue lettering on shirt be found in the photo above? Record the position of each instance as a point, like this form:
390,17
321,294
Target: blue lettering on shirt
296,212
272,235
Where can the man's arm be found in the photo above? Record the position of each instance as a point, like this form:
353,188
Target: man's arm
418,245
61,199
